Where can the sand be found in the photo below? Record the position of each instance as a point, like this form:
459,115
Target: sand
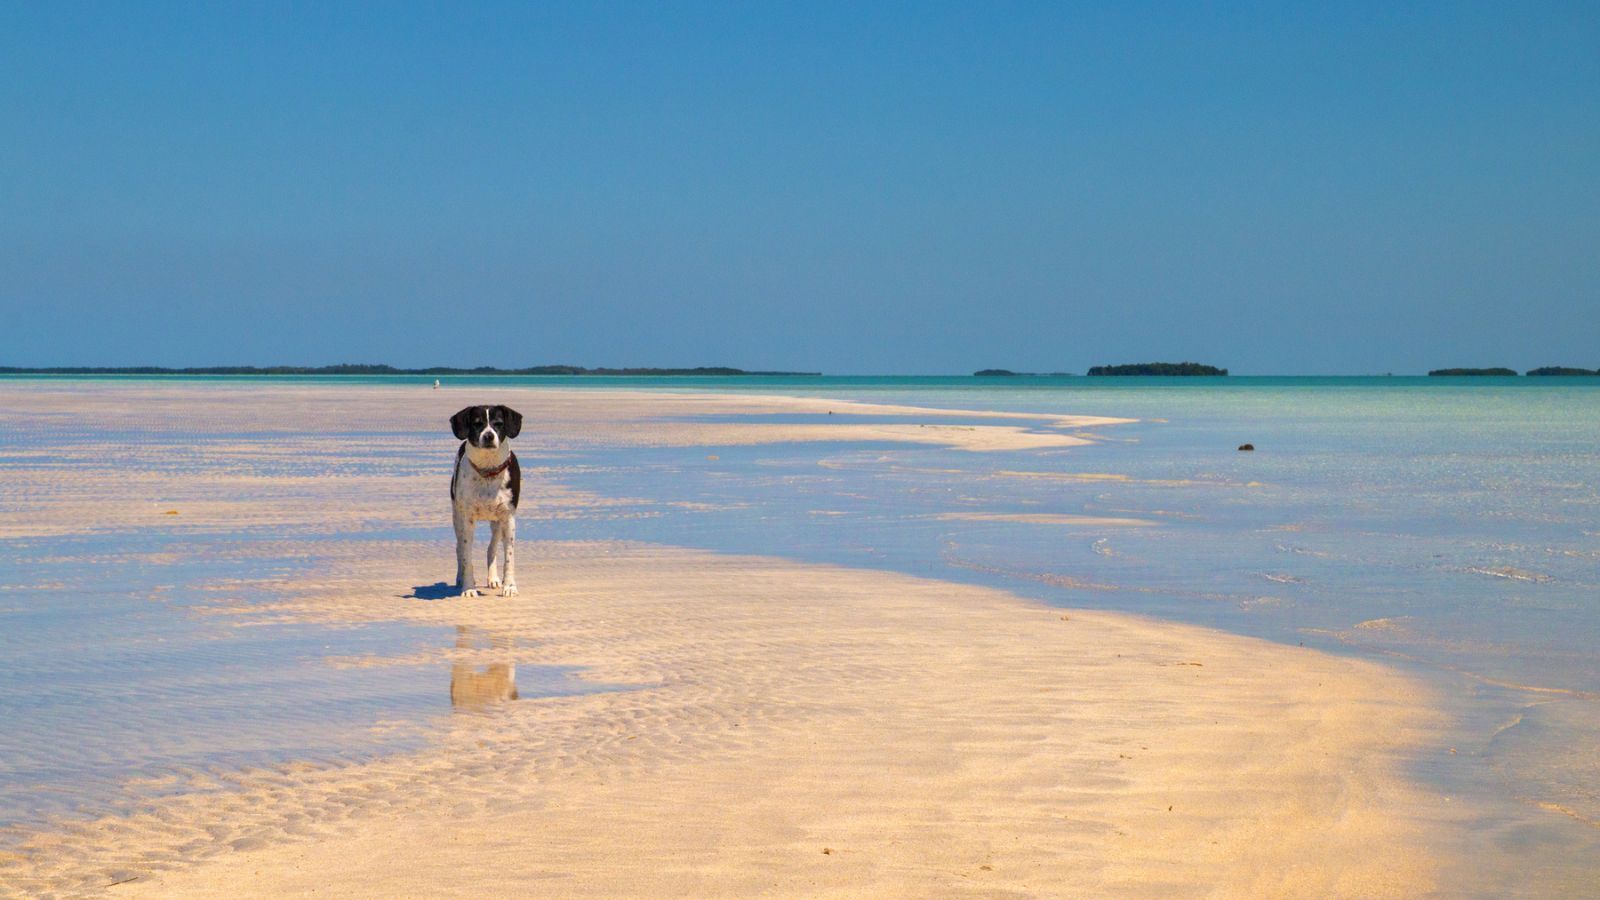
1046,519
763,726
806,729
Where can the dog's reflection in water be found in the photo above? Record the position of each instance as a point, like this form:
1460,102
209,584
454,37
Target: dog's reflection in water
475,687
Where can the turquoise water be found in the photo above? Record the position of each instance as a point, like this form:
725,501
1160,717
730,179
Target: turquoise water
1447,526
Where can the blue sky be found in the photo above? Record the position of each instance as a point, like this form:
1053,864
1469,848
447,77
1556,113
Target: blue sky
851,188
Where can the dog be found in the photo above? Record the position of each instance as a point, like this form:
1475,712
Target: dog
486,486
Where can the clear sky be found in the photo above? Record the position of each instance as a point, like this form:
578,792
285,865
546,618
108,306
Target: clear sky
852,188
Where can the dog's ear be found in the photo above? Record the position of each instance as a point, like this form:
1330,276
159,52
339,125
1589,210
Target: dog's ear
458,423
513,421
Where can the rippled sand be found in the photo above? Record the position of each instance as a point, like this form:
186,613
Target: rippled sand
765,726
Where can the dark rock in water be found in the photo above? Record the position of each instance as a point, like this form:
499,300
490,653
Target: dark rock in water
1493,371
1247,446
993,373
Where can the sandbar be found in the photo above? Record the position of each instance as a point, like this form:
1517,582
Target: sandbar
756,725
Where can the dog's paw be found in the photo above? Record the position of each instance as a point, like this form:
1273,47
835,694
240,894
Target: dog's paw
509,590
472,592
494,584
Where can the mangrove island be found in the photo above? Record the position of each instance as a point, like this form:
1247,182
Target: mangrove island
1158,368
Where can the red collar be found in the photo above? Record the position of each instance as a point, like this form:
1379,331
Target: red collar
490,473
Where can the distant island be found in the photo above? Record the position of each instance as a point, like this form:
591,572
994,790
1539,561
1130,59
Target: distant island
1562,370
362,369
1543,370
1158,368
1007,373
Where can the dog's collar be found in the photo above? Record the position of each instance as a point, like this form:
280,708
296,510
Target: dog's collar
490,473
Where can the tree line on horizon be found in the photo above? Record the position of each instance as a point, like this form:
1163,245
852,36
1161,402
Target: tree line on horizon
375,369
1543,370
1150,368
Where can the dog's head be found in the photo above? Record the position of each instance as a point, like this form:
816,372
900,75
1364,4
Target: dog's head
486,426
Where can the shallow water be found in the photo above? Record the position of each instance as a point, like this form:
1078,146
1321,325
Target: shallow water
130,668
1448,526
114,688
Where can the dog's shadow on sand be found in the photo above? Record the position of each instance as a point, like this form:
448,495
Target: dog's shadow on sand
436,591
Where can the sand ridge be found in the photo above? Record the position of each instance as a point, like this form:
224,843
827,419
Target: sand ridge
1045,519
555,419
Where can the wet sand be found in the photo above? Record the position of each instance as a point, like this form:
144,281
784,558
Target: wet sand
764,726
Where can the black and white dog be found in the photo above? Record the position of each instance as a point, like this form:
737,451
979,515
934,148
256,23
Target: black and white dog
486,485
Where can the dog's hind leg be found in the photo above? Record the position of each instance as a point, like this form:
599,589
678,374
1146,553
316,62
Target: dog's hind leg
508,571
465,580
497,541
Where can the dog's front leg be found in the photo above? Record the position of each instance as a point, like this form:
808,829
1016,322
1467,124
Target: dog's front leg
497,540
508,571
466,582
